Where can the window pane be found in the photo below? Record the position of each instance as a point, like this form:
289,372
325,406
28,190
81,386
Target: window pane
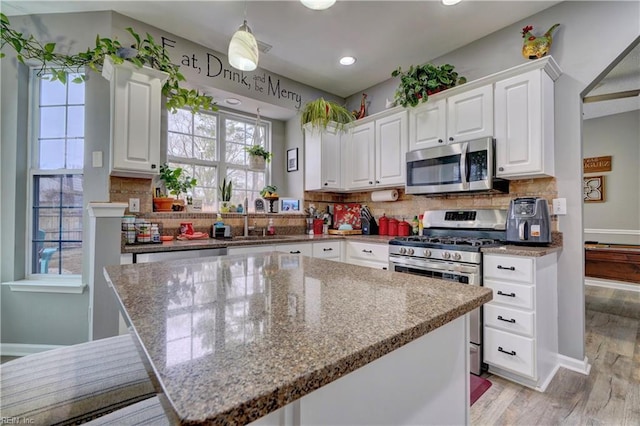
235,154
76,91
239,178
204,149
52,92
51,154
52,122
75,121
72,188
71,225
48,224
205,125
180,145
180,121
75,153
47,190
67,259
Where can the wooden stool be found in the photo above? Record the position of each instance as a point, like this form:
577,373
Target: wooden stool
74,384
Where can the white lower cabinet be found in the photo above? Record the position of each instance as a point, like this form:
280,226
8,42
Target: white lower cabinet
521,322
331,250
367,254
303,249
250,249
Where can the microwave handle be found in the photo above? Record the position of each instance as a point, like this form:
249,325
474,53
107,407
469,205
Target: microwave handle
464,167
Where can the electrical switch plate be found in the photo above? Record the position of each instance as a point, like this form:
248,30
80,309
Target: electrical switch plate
96,158
559,206
134,205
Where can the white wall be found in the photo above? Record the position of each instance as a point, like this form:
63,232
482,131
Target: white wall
590,37
618,136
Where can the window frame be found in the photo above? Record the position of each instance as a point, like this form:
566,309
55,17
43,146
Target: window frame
33,153
220,164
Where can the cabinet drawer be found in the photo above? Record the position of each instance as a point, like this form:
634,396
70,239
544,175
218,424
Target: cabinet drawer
368,252
510,268
508,319
328,250
303,249
509,351
518,295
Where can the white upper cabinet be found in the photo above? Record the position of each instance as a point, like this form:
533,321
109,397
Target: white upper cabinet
135,118
359,165
458,118
322,164
524,126
391,146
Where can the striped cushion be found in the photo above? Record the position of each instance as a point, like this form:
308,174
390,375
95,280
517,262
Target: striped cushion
147,412
75,383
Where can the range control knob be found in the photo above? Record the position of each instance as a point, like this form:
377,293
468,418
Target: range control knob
456,256
403,250
446,255
427,253
410,252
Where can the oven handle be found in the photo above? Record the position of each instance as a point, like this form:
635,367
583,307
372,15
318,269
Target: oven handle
434,265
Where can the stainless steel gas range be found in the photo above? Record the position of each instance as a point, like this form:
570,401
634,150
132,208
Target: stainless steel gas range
450,249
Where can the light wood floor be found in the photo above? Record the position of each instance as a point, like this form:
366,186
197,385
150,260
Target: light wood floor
610,395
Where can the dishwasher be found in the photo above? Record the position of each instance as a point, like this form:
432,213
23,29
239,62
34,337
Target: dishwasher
176,255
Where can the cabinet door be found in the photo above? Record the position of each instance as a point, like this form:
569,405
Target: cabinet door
328,250
322,160
135,123
391,147
519,126
360,157
470,115
428,125
303,249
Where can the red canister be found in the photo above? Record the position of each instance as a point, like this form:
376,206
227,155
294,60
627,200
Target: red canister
404,229
393,227
317,226
384,225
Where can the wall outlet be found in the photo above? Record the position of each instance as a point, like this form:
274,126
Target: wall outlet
559,206
134,205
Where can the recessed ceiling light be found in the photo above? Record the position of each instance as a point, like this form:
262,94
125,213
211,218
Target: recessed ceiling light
232,101
318,4
347,60
450,2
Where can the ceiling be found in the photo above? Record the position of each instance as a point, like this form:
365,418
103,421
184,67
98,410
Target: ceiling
307,44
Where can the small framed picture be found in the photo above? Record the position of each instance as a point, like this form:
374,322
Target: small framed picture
593,189
289,205
292,160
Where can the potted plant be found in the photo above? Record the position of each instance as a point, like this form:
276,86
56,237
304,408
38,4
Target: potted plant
143,52
176,183
320,112
258,157
420,81
225,195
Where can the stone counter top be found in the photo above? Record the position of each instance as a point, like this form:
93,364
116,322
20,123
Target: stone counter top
515,250
178,245
234,338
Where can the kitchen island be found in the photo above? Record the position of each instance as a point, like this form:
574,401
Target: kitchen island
288,339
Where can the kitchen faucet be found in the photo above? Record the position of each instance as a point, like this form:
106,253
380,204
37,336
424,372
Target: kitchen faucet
245,216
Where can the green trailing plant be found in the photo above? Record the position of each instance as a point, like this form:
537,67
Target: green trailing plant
175,180
320,112
143,52
420,81
259,151
225,190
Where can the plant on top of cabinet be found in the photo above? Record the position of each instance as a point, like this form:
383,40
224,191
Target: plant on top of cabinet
143,52
321,112
420,81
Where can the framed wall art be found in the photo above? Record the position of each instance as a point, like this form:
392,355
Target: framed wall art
292,160
593,189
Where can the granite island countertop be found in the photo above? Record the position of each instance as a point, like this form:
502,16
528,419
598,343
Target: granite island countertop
233,338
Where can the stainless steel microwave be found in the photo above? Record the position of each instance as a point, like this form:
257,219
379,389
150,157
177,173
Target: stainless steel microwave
459,167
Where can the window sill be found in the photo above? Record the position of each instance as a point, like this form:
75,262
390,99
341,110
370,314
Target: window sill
56,285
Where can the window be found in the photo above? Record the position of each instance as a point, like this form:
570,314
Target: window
210,147
57,157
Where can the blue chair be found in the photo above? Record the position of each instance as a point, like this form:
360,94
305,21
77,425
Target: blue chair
44,254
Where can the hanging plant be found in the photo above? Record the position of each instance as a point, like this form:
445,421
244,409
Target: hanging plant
143,52
321,112
420,81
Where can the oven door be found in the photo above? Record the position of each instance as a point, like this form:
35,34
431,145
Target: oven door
463,273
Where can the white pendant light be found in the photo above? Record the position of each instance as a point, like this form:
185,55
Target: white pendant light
318,4
243,49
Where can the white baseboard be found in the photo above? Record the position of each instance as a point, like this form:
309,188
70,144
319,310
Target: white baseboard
21,349
617,285
579,366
